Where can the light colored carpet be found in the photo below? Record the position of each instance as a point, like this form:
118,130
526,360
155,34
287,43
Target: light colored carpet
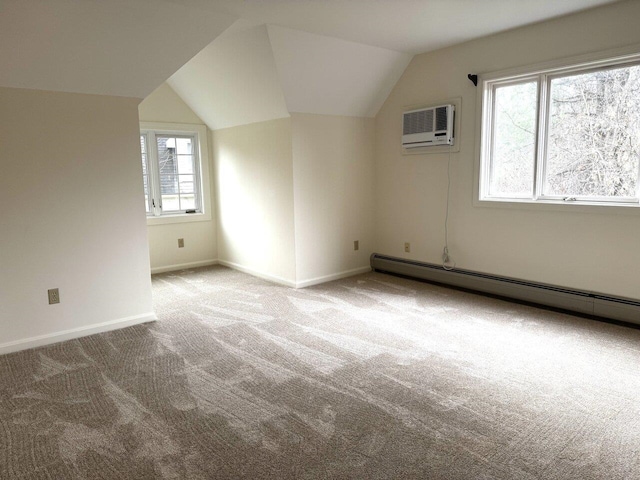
371,377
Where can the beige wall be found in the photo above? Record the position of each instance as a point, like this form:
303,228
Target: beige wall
72,216
333,169
164,105
200,242
596,251
253,169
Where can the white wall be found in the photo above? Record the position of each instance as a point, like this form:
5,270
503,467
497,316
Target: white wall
333,168
72,216
200,242
254,182
594,251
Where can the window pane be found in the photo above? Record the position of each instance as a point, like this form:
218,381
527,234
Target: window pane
145,180
170,203
184,146
169,184
145,173
514,140
188,202
166,155
185,163
173,165
186,184
594,134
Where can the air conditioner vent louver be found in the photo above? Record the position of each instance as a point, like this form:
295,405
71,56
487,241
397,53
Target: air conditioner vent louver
441,118
428,127
418,122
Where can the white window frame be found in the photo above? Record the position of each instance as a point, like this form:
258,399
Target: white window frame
543,74
203,213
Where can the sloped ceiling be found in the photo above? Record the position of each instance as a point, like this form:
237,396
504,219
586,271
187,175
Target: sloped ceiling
411,26
233,81
107,47
335,77
332,57
256,73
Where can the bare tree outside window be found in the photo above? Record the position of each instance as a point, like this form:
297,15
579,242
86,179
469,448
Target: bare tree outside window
594,134
569,134
514,142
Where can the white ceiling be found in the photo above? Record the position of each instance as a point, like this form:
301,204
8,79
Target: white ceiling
253,73
233,81
107,47
411,26
325,75
129,47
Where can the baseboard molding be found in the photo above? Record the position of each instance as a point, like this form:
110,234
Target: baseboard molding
334,276
183,266
79,332
259,274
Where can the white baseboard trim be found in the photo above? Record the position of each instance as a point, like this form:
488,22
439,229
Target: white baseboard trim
183,266
64,335
334,276
259,274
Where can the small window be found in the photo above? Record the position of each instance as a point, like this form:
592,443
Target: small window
570,134
172,170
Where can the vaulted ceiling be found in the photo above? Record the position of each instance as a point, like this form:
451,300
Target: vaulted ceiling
256,73
239,62
410,26
106,47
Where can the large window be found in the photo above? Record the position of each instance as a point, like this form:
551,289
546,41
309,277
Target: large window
172,170
567,134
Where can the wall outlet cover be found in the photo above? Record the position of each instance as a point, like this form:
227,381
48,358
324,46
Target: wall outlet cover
54,296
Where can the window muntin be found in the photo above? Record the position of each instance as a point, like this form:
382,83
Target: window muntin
172,172
586,147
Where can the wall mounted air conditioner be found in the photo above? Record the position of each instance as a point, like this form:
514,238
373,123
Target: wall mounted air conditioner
428,126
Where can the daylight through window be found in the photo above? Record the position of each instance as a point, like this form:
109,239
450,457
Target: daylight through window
171,172
569,134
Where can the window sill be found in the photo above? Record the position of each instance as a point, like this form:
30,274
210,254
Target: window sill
561,206
179,218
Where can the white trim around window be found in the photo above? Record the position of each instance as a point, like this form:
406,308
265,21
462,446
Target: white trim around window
534,84
156,215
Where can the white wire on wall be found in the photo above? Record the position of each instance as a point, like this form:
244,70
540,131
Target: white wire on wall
447,263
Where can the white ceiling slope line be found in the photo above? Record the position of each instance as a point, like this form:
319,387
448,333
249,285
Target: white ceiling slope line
116,47
325,75
233,81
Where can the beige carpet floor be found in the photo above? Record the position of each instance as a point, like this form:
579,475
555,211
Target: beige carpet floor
370,377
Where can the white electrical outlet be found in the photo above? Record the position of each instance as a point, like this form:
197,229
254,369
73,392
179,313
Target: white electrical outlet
54,296
356,244
407,247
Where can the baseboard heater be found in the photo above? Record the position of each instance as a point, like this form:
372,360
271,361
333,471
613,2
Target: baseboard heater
590,303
